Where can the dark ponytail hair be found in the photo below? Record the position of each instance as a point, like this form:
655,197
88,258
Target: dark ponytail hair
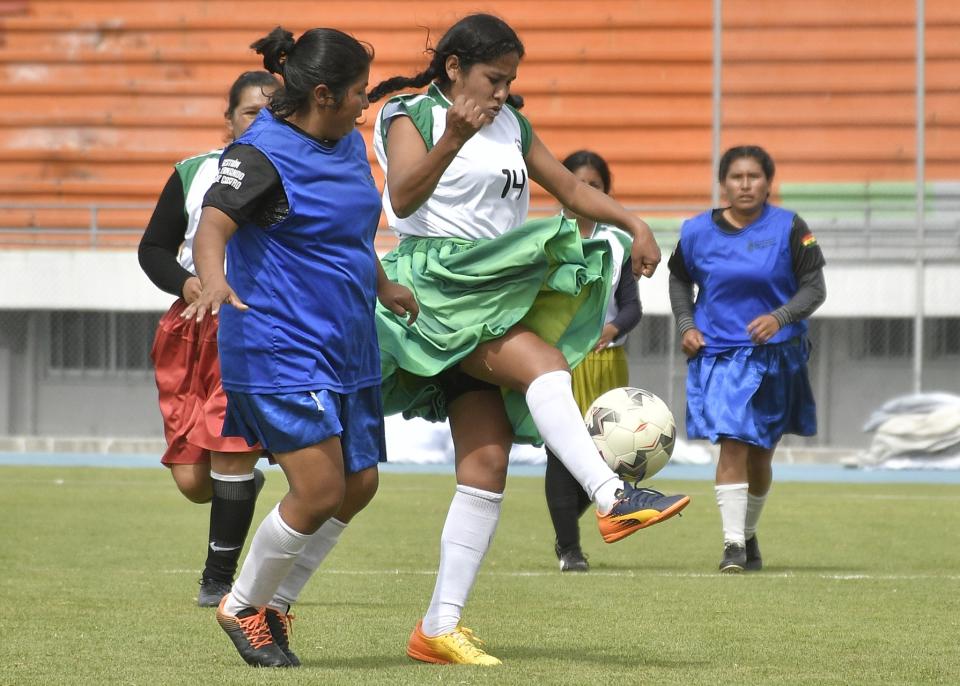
752,151
475,39
320,56
247,80
588,158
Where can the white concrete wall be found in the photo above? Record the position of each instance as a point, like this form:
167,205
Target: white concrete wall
113,280
76,280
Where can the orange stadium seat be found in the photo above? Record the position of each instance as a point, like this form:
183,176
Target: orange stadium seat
101,98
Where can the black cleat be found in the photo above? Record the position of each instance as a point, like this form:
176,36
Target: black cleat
734,558
251,636
754,561
572,559
212,592
281,626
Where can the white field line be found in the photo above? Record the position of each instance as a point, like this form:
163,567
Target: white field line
628,574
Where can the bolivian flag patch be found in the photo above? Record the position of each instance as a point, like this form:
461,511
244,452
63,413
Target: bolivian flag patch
808,240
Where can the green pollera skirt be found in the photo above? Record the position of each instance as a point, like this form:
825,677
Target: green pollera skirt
541,275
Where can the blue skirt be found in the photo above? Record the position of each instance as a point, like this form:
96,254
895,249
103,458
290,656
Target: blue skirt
751,394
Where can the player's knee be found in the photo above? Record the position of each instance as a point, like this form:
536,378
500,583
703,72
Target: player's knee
361,488
552,360
484,468
195,487
317,504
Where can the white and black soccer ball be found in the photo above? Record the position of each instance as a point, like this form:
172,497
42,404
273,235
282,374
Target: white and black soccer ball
633,430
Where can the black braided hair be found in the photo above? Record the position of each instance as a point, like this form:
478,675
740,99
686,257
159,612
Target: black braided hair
475,39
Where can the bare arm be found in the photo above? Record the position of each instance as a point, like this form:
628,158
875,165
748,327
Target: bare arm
413,172
209,251
396,297
587,201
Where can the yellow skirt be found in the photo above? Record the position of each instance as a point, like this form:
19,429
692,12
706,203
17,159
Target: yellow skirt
598,373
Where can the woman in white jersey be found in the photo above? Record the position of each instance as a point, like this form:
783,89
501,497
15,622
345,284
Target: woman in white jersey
205,466
604,368
504,304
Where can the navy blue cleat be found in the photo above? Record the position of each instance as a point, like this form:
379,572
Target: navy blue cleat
638,508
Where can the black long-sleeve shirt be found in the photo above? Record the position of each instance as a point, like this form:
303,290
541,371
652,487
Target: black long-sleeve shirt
627,297
161,241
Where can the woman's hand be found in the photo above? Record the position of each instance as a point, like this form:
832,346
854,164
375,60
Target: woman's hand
398,299
210,300
191,289
763,328
464,118
606,337
645,254
691,342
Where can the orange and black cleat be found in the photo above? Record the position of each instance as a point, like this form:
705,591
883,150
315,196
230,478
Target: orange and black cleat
251,635
638,508
281,626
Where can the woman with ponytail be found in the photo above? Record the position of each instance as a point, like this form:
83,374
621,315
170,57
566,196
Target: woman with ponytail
207,467
295,210
507,306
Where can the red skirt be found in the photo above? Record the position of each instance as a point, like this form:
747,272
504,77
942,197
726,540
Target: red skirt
192,400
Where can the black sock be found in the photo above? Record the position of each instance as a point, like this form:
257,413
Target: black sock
566,501
231,512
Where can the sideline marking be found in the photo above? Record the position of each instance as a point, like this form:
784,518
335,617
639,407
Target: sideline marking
852,576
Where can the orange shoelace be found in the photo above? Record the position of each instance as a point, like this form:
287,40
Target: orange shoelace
287,621
256,630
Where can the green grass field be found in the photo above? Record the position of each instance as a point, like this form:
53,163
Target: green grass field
98,573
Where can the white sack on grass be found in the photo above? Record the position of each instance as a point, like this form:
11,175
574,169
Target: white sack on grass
920,431
915,403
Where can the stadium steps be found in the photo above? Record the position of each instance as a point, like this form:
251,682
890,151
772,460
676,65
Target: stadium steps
119,90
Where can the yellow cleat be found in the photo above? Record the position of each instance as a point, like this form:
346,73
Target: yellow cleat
459,647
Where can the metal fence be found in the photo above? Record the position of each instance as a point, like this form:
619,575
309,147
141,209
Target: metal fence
88,371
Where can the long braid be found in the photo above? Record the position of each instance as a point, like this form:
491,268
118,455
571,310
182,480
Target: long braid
400,82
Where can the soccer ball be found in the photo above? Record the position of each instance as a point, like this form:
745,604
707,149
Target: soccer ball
633,430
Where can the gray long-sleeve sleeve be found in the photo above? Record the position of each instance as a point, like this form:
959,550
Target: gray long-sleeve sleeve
811,293
681,302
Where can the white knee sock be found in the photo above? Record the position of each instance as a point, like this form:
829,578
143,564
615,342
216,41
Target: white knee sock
554,411
467,533
273,551
732,500
754,508
314,553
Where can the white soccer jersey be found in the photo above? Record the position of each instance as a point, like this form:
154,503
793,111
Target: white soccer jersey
484,192
196,174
